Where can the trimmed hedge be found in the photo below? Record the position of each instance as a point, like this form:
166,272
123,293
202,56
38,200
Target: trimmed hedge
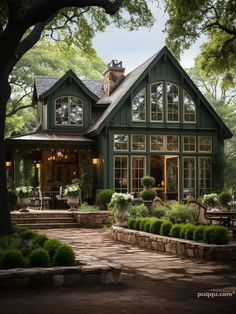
39,258
142,224
51,246
189,232
131,222
137,223
12,258
175,230
183,231
216,235
198,233
156,226
165,228
64,256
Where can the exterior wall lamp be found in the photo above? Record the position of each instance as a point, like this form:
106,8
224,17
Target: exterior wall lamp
95,161
8,163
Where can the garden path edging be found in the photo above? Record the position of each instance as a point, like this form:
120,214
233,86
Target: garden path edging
179,247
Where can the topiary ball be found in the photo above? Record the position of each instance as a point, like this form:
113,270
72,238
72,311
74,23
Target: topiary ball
198,233
175,230
12,258
216,235
39,240
64,256
142,224
51,246
189,232
39,258
165,228
28,234
156,225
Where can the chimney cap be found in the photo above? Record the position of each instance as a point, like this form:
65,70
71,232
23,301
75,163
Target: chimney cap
115,64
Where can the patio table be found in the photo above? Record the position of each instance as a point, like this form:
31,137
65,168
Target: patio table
225,217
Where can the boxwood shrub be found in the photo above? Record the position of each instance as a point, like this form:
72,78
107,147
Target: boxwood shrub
142,224
184,230
165,228
131,222
137,223
51,246
216,235
39,258
12,258
189,232
147,224
64,256
198,233
175,230
156,225
28,234
39,240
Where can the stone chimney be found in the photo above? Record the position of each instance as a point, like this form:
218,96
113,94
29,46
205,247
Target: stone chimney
113,75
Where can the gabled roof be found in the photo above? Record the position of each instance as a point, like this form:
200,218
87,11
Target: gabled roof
44,85
122,92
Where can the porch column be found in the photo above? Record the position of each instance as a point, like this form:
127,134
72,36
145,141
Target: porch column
16,172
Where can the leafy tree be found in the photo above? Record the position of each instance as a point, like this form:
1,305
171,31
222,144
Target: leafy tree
188,20
21,24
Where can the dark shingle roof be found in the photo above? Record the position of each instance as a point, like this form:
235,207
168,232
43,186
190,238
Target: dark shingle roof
44,83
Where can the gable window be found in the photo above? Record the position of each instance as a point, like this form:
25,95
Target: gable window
157,143
172,143
121,142
68,111
189,143
172,102
157,101
189,109
205,144
139,106
138,142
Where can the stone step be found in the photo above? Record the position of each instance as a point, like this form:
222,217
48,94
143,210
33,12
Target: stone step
51,225
29,220
41,214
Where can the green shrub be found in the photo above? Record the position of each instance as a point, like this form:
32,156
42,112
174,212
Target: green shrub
12,258
39,240
148,181
158,212
224,198
189,232
175,230
138,211
137,223
51,246
165,228
104,196
179,213
19,229
148,195
198,233
39,258
156,225
64,256
142,224
9,242
131,222
28,235
147,224
216,235
184,230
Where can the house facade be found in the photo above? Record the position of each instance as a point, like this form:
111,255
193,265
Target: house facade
110,133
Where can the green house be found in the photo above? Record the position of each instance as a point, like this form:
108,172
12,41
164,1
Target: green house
110,133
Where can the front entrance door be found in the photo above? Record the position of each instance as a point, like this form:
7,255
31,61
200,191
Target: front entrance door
65,173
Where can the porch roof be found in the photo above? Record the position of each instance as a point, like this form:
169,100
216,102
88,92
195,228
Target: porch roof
51,136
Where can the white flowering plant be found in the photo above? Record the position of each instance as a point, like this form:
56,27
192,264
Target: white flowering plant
119,205
24,191
210,200
72,190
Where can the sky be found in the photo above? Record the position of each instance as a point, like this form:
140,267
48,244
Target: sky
133,48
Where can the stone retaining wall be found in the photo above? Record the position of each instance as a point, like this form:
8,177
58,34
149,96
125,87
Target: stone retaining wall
92,220
97,273
175,246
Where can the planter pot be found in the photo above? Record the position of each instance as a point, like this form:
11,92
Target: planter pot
73,202
148,204
121,218
23,203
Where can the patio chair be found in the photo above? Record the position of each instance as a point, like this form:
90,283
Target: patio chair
45,200
61,199
35,201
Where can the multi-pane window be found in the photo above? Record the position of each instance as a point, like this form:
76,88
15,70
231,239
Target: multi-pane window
205,175
68,111
121,142
157,143
121,174
138,164
156,99
189,143
189,178
138,142
189,108
172,102
172,143
205,144
139,106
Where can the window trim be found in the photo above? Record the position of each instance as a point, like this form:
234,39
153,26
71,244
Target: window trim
166,97
195,174
120,150
163,102
145,99
69,111
114,177
195,144
205,151
195,120
145,142
150,141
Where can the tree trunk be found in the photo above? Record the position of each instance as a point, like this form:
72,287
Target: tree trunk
5,216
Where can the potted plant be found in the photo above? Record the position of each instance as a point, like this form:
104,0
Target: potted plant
210,200
148,194
23,194
73,193
225,198
120,203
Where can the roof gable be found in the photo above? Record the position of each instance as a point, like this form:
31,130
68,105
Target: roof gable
136,76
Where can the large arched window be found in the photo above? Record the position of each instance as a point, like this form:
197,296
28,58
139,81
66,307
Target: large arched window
139,106
172,91
157,101
189,109
68,111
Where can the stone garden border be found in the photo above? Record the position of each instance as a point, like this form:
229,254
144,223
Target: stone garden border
95,272
91,219
179,247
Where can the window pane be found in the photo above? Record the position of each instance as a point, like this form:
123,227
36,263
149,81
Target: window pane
138,142
205,175
189,176
172,143
121,174
157,101
205,144
138,171
157,143
76,112
189,143
172,102
189,108
68,111
139,106
120,142
62,106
